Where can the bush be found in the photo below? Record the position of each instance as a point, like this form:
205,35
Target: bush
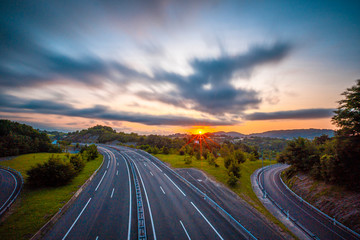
211,159
232,181
188,159
54,172
165,150
77,162
89,152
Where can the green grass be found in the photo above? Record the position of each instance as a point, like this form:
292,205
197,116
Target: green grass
37,206
243,188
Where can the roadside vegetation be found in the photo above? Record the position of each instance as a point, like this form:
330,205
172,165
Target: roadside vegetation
17,138
333,160
38,204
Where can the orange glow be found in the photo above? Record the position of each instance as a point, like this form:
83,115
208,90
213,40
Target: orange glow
200,130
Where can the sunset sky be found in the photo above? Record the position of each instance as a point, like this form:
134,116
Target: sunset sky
166,66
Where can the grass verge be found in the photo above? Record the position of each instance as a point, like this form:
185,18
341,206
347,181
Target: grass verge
36,206
243,188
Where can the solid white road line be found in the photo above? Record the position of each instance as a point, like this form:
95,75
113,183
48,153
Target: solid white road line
162,189
175,184
13,190
100,181
156,166
146,196
108,164
130,201
112,193
117,172
76,219
151,174
185,230
207,221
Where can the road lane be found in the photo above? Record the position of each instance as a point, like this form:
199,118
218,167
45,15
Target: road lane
9,186
104,217
178,204
308,217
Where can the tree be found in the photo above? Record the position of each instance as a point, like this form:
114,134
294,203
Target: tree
347,116
300,153
240,156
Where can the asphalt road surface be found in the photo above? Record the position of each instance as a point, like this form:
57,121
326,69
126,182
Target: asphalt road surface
10,184
308,217
107,207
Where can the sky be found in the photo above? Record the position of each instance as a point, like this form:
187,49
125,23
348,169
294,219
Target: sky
162,66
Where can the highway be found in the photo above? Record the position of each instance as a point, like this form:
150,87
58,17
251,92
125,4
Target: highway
10,185
318,224
107,207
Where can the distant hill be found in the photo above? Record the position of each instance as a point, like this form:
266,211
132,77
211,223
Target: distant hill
290,134
230,134
284,134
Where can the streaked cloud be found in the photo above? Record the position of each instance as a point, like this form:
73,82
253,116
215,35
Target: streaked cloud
14,104
292,114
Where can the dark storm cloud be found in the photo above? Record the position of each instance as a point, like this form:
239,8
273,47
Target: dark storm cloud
222,96
10,103
294,114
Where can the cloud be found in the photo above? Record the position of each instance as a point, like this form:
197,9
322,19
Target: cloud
10,103
221,96
293,114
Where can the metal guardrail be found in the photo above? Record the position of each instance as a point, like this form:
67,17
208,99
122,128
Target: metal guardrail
140,206
245,232
282,210
17,194
333,220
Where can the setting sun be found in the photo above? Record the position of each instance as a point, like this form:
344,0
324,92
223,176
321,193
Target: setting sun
199,131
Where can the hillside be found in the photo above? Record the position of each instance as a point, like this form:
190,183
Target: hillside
17,138
334,200
101,134
284,134
290,134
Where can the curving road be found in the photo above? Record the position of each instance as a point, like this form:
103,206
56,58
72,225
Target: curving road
318,224
10,185
107,207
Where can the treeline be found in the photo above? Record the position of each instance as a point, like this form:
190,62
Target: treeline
58,171
335,160
16,139
101,134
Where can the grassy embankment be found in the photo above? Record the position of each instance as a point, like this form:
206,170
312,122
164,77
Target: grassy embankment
243,189
37,206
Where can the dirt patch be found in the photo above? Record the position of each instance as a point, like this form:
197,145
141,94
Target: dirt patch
333,200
